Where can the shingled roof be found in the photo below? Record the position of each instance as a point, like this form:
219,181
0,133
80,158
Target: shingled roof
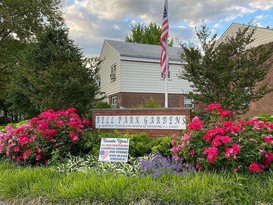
147,51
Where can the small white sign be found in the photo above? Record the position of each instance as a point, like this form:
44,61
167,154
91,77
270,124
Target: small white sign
162,122
114,150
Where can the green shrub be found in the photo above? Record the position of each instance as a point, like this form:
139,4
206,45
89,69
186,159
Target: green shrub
140,144
151,103
102,105
2,128
89,116
162,145
87,144
266,118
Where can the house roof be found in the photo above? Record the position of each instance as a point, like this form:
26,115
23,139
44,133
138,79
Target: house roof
260,36
137,50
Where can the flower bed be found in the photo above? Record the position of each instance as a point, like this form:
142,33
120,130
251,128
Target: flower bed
217,142
50,134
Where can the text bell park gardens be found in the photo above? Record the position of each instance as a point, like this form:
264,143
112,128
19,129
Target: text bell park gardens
141,122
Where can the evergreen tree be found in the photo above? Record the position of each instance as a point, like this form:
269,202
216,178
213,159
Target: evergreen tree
226,72
54,75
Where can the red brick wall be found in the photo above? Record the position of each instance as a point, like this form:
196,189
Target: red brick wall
146,112
265,104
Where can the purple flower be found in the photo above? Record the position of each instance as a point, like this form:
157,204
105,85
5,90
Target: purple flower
155,165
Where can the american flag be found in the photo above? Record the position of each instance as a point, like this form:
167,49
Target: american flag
104,154
163,42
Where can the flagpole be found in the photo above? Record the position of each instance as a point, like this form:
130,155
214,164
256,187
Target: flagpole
167,65
164,57
166,78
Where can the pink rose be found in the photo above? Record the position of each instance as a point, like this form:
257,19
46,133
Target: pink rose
175,157
192,152
254,167
198,166
226,139
212,154
26,154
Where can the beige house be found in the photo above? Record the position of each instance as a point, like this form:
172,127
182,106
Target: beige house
130,74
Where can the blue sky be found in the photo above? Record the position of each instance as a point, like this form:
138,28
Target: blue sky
92,21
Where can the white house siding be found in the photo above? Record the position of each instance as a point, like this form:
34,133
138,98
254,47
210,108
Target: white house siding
109,56
260,36
144,77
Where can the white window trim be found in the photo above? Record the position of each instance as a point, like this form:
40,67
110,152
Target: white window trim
186,100
98,80
169,75
114,100
113,74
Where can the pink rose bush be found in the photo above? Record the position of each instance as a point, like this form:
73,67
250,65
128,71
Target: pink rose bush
51,132
219,143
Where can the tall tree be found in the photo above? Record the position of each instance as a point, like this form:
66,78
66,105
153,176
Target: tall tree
7,60
146,34
54,75
20,22
226,72
24,19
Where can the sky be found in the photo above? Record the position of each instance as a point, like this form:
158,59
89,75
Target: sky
90,22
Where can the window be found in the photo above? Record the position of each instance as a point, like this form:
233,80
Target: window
188,102
169,74
98,80
113,72
246,97
114,101
247,91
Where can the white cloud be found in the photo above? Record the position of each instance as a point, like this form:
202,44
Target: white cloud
259,17
133,22
114,9
96,20
116,27
262,4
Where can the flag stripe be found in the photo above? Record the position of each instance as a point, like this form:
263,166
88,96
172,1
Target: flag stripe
163,42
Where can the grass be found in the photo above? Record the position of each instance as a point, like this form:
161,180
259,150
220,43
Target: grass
47,186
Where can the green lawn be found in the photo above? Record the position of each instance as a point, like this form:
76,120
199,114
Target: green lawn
47,186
